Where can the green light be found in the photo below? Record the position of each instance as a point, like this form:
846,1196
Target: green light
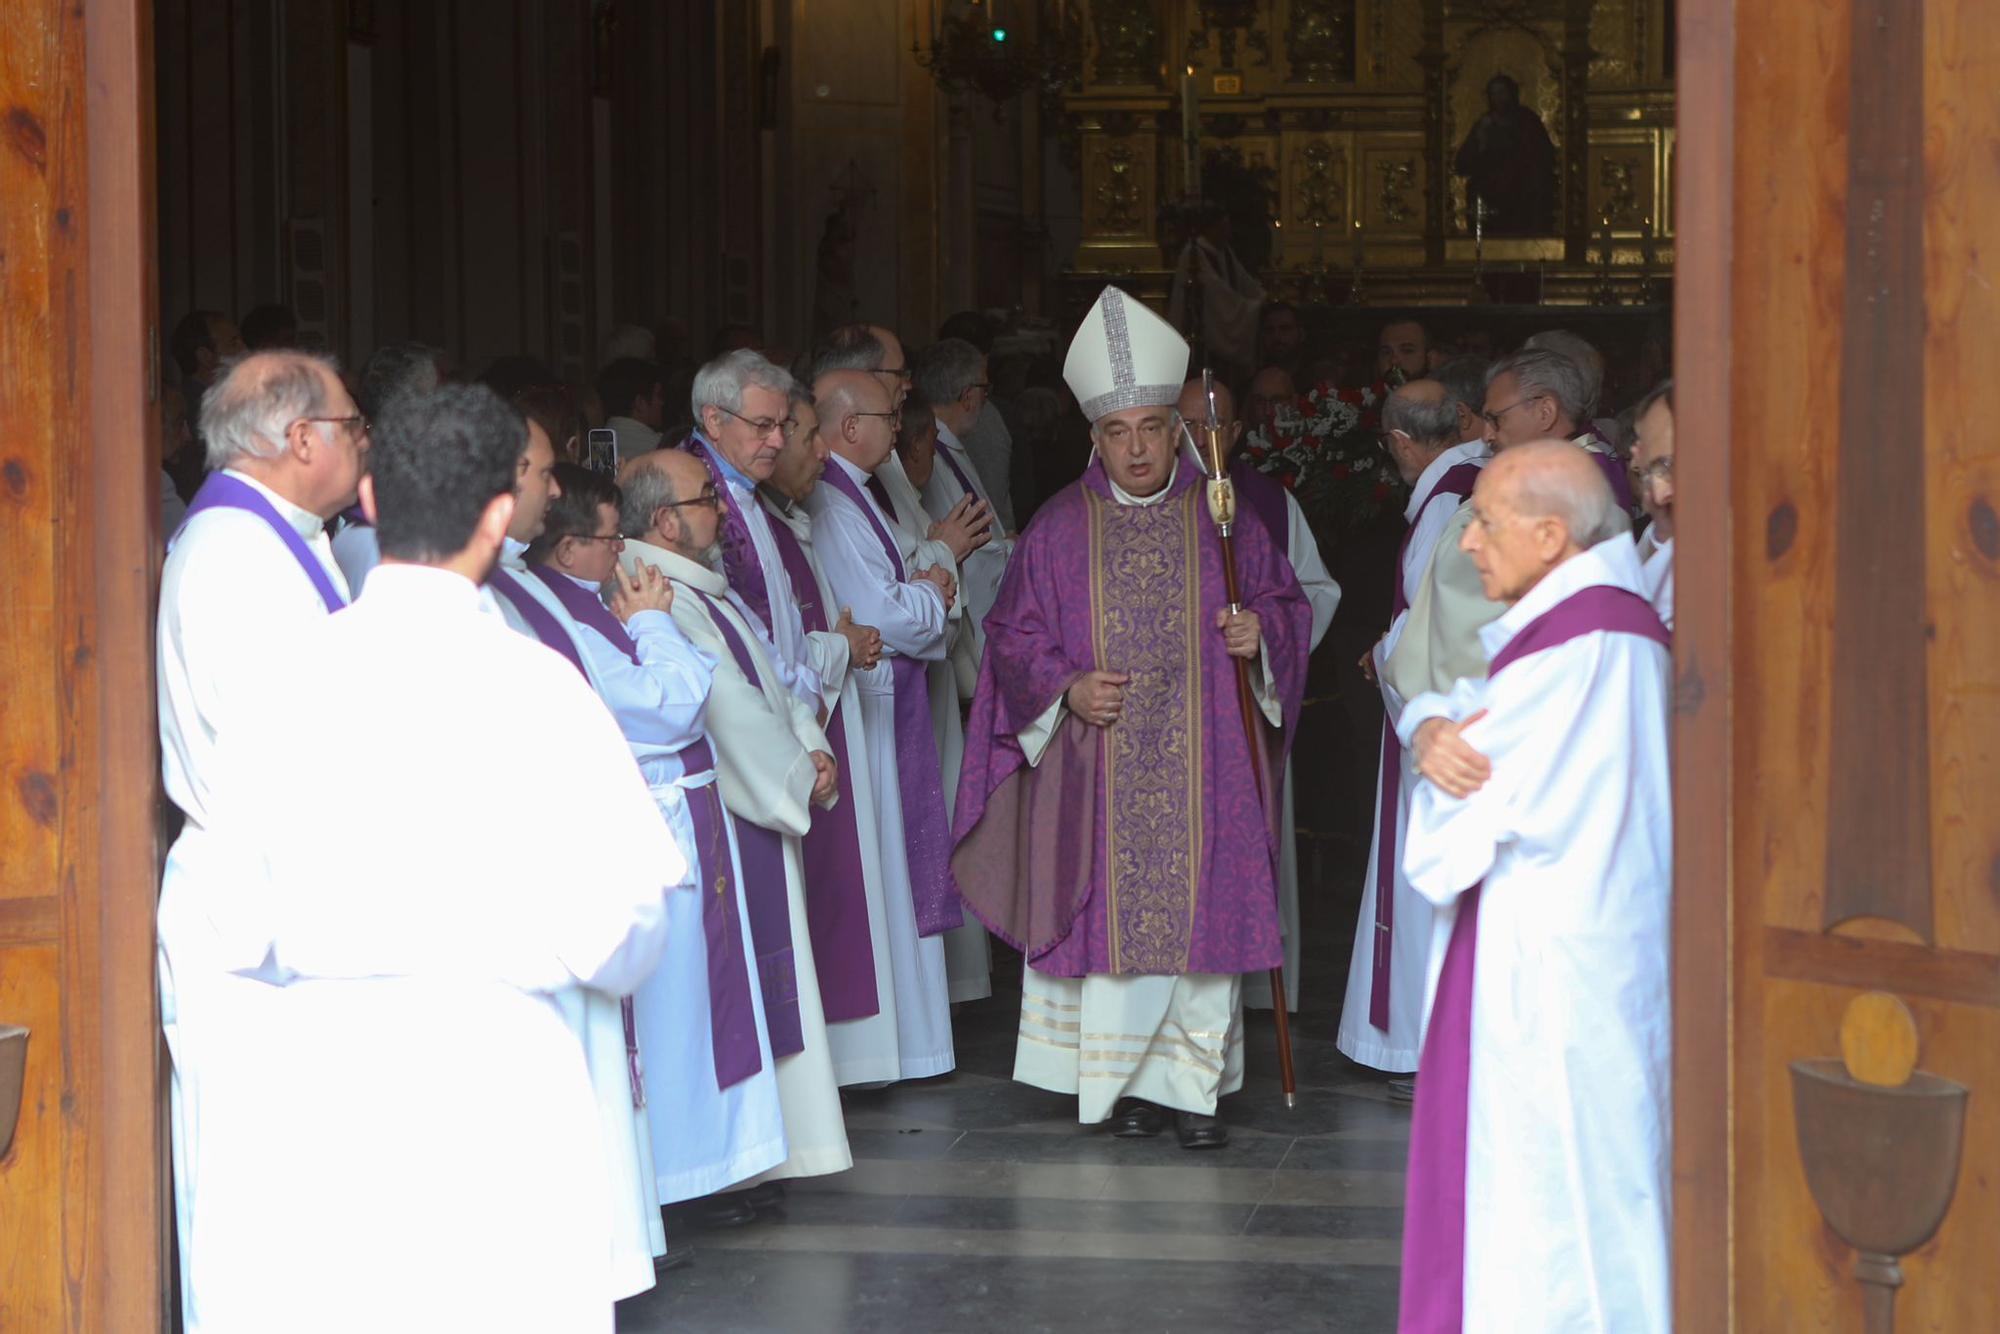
999,34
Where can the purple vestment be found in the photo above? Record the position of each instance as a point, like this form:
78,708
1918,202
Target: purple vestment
1141,847
919,775
221,491
540,619
732,1020
1263,499
1457,483
761,853
740,564
1433,1279
836,885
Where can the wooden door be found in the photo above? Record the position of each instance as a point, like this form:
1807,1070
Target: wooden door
1838,649
80,1188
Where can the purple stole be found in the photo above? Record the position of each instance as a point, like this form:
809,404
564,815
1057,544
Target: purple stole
920,777
739,550
221,491
732,1019
1457,482
762,854
355,517
587,608
546,627
836,888
944,452
1433,1291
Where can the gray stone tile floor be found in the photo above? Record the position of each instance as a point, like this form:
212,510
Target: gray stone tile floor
978,1204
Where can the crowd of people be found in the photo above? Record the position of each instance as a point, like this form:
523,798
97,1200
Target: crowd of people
679,746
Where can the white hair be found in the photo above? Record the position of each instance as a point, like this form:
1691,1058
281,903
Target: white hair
720,383
1588,360
246,412
1540,371
1580,497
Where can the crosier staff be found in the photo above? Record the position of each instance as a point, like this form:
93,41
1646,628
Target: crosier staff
1222,508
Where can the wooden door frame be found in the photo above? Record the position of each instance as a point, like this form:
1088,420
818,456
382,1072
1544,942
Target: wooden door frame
1703,968
111,943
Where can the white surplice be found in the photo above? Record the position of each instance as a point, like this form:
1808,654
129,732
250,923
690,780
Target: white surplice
233,604
968,954
1429,516
1656,558
1567,1149
423,1100
763,737
1322,592
786,632
912,1039
659,704
984,568
862,1048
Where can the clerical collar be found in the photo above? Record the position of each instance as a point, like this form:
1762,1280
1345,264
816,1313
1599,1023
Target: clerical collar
946,436
307,524
513,554
730,472
778,500
1613,562
860,477
675,566
1124,497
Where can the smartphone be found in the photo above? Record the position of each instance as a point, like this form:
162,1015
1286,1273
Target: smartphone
603,451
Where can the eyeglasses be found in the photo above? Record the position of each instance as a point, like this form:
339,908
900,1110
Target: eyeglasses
765,427
709,497
356,424
903,373
979,384
1387,441
1493,418
894,418
615,539
1659,470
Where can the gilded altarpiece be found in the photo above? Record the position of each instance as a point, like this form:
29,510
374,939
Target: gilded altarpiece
1359,109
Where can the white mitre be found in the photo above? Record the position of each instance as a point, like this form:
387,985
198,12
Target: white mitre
1124,356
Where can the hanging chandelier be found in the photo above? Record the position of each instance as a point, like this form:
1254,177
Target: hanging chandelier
1002,49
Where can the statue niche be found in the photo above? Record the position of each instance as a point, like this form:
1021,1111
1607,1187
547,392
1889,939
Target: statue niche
1509,163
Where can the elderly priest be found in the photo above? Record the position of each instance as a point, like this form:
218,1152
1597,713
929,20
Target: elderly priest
1109,823
1538,1189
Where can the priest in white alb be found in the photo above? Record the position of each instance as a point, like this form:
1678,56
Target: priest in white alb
246,576
424,1103
777,776
1653,482
862,555
1538,1188
1381,1020
1117,818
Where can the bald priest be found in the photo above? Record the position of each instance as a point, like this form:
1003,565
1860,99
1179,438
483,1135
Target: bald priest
1109,823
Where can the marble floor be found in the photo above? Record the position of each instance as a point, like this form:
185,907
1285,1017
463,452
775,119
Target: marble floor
979,1204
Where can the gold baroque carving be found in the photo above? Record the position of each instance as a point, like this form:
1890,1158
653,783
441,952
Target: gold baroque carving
1128,41
1320,41
1618,203
1398,177
1117,192
1319,185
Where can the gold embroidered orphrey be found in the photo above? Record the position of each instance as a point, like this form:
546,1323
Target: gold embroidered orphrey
1145,588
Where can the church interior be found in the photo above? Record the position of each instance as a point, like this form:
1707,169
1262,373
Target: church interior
1776,206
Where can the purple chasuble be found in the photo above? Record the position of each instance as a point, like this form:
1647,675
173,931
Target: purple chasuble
762,854
740,564
221,491
836,887
1264,499
1139,848
1457,483
546,627
1433,1281
732,1018
919,775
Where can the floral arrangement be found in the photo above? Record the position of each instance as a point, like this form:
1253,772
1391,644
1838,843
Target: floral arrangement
1324,448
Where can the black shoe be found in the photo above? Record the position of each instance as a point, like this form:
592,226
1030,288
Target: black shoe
1403,1090
711,1212
678,1254
766,1198
1135,1118
1197,1131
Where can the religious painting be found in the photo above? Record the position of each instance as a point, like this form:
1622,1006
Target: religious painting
1503,124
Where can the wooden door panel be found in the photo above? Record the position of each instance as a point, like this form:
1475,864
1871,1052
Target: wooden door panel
31,1175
